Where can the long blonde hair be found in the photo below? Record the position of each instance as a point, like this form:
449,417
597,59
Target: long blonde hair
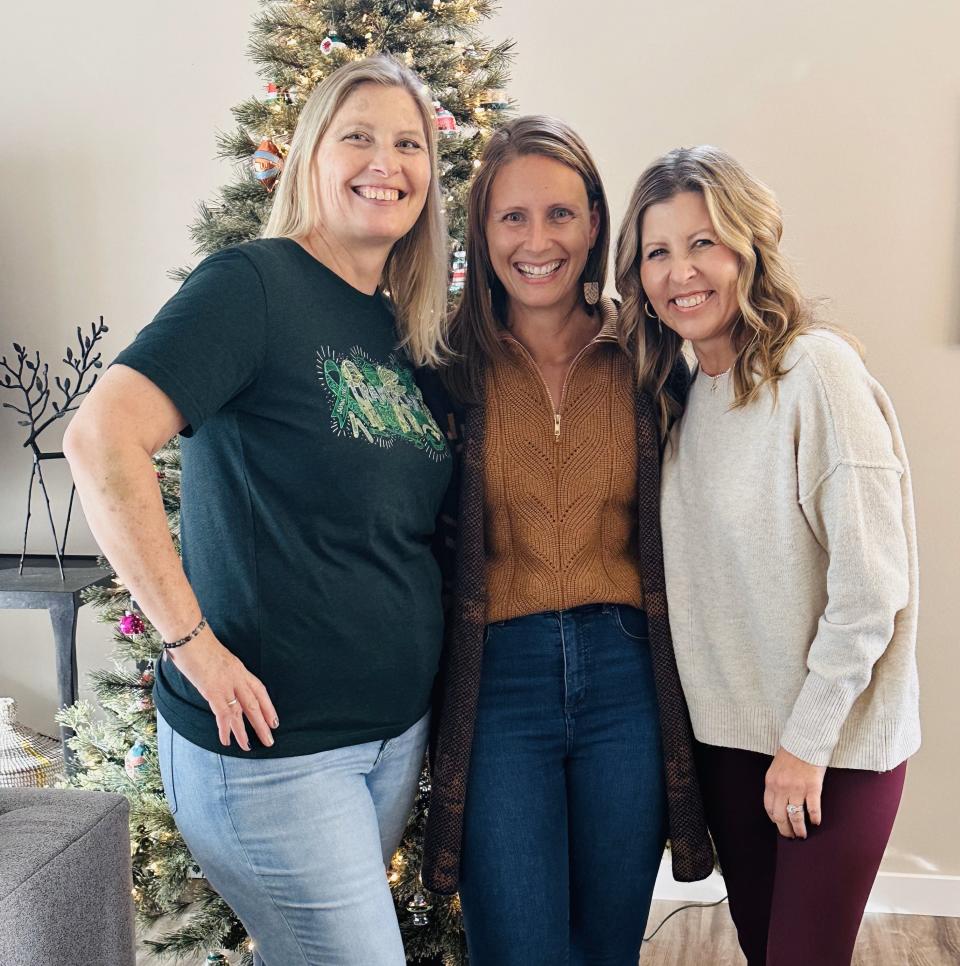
415,273
481,313
747,219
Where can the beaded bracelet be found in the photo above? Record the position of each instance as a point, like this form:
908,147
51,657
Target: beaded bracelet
183,640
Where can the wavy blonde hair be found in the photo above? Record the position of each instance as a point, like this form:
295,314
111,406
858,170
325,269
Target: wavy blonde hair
481,313
747,219
415,274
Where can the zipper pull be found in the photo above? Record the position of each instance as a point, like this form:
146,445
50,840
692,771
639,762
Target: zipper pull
556,427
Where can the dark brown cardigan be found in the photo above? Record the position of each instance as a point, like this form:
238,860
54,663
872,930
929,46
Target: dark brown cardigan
459,679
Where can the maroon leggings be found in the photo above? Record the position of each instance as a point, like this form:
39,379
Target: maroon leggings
797,902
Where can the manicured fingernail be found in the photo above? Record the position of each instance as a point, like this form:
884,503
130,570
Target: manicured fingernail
276,723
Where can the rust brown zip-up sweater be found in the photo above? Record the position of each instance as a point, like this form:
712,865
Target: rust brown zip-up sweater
560,480
458,683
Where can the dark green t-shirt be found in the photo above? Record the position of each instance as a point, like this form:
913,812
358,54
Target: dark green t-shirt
312,477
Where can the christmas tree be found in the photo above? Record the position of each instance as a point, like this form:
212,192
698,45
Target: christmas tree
295,44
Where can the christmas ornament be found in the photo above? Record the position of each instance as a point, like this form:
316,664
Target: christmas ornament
494,99
145,700
267,163
217,958
290,95
273,92
135,763
458,272
131,624
331,43
420,909
446,122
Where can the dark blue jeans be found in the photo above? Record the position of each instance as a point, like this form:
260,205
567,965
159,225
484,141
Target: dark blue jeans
565,817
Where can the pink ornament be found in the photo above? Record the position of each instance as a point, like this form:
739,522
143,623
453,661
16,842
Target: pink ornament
131,624
445,121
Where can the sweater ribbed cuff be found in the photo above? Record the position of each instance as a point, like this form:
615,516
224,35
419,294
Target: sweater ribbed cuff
813,729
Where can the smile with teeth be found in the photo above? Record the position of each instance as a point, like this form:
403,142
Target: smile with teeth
379,194
691,301
538,271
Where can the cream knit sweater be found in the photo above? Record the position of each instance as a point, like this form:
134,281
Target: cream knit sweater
791,564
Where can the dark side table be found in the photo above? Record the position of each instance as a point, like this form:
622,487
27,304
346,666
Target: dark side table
40,586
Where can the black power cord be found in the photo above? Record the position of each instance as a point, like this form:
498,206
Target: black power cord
689,905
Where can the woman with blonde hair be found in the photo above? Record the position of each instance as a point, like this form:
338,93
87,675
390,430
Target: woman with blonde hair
563,746
307,608
790,553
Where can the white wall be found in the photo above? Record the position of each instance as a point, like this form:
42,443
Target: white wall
849,110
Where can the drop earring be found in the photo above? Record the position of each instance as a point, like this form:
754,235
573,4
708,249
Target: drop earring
591,292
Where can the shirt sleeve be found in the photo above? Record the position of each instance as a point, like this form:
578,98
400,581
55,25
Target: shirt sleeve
855,510
206,345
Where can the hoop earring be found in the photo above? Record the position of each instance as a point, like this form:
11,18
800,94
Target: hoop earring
650,314
591,292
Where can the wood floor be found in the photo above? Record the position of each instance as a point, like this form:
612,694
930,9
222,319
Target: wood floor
706,937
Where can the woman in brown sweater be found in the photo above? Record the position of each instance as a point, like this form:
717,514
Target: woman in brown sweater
561,728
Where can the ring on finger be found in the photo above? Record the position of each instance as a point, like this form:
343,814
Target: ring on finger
794,810
234,701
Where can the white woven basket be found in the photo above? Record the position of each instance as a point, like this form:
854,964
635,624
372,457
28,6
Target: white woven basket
27,759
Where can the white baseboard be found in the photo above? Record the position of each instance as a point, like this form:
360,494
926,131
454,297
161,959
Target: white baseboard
903,893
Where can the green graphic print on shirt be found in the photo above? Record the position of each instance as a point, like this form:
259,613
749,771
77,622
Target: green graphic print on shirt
376,401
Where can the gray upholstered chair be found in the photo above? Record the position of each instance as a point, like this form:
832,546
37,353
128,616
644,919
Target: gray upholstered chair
65,889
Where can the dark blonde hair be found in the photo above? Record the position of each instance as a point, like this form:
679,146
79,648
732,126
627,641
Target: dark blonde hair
747,219
481,312
415,273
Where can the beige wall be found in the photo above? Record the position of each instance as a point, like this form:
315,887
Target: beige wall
849,110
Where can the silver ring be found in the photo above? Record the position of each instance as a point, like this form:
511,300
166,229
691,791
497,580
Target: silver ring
794,809
237,701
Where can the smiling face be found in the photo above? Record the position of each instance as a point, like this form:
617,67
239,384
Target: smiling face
372,167
689,275
539,230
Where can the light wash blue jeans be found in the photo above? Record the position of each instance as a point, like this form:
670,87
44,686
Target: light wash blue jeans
297,846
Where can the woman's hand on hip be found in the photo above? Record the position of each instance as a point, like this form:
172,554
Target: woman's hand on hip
228,687
793,785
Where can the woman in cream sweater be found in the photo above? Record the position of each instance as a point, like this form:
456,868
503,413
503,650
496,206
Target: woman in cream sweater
790,559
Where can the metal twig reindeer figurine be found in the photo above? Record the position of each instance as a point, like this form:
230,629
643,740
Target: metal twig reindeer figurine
30,376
